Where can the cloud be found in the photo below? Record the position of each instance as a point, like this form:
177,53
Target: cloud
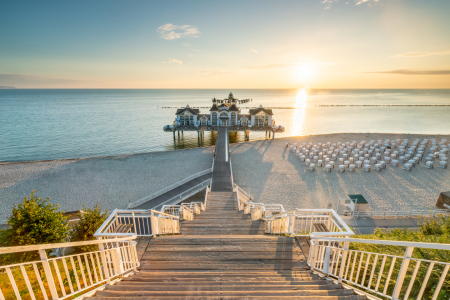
288,66
365,1
254,51
174,61
422,54
186,45
171,32
413,72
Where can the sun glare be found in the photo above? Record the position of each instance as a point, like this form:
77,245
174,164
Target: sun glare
304,74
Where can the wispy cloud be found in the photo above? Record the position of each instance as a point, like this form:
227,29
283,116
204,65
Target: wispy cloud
358,2
422,54
288,66
254,51
186,45
413,72
170,31
174,61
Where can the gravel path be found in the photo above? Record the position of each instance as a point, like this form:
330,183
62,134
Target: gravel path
109,181
275,175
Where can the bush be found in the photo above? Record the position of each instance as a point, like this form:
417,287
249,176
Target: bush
90,221
35,221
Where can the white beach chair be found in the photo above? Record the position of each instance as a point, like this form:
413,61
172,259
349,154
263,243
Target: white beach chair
407,167
367,167
351,160
412,162
377,167
307,162
443,164
373,160
401,159
302,158
319,163
429,164
351,168
416,160
383,164
291,147
341,168
315,158
333,157
443,158
327,161
331,164
328,168
394,163
359,164
346,163
312,167
287,145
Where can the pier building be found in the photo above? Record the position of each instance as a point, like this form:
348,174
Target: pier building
224,112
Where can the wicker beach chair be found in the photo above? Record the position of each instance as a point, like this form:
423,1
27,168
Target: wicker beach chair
312,167
367,167
407,167
429,164
443,164
394,163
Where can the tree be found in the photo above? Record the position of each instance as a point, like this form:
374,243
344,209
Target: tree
34,221
90,221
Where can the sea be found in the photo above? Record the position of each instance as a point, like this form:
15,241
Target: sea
48,124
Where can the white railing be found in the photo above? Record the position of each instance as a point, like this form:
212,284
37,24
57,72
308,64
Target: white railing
400,214
188,193
393,270
66,276
208,189
168,188
138,222
299,222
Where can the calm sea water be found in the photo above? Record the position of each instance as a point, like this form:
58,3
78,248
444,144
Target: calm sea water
57,124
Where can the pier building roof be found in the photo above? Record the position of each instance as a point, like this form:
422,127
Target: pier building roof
255,111
194,111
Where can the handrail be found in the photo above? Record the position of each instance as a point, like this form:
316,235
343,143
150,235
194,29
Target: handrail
168,188
399,213
364,270
16,249
187,193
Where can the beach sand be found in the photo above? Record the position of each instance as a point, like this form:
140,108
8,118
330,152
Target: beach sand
265,167
273,174
109,181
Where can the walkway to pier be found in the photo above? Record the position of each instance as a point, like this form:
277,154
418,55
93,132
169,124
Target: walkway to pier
221,179
172,193
223,254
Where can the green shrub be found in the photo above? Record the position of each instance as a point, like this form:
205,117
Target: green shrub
90,221
34,221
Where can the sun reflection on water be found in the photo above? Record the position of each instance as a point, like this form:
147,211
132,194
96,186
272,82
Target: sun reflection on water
299,114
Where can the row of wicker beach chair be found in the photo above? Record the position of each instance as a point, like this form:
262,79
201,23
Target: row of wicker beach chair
352,155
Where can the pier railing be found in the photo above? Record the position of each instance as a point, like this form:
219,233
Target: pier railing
393,270
169,188
67,276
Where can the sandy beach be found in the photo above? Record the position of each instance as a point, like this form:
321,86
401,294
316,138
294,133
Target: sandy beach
265,167
275,175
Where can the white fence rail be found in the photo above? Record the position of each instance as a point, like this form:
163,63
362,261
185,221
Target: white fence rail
138,222
170,187
66,276
395,272
400,214
188,193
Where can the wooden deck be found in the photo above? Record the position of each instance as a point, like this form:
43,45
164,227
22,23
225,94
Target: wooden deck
223,254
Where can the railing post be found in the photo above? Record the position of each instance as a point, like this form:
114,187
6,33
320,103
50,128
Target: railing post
326,260
116,260
154,222
48,274
291,223
134,223
344,258
402,272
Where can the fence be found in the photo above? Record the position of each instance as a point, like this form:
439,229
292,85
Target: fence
397,274
66,276
138,222
397,214
169,188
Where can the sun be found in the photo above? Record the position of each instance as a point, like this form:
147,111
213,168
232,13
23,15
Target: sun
304,74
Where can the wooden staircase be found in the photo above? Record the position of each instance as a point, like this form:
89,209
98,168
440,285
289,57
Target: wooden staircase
223,254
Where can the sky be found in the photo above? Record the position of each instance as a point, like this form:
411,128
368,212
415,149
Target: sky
361,44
